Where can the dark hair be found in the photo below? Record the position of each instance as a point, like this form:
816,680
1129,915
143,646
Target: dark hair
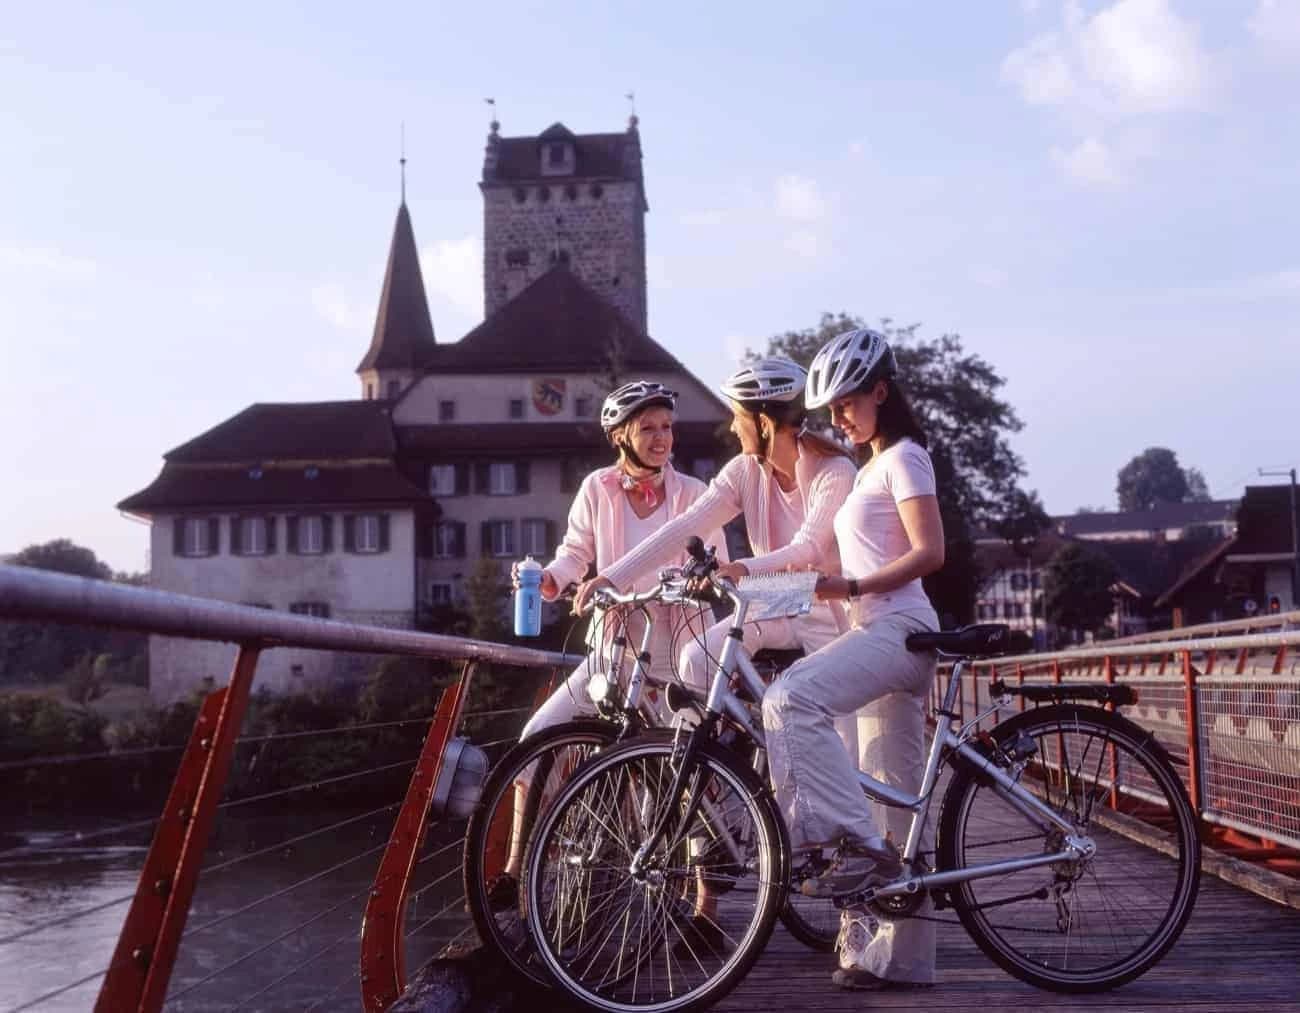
783,413
895,419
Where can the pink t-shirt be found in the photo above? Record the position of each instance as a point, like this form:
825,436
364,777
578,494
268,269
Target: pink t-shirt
870,532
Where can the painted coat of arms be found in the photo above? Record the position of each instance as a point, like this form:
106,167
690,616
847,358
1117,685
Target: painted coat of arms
548,396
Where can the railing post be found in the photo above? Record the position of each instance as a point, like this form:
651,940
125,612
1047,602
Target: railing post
383,929
1192,696
1108,673
146,948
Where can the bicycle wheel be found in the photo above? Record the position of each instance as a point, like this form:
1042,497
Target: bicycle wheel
520,785
814,921
620,940
1092,924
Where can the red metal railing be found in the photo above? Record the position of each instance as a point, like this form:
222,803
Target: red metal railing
141,969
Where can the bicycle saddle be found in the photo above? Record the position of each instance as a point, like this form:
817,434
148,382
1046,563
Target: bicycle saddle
979,640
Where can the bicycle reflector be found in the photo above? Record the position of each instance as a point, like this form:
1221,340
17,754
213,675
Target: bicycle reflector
598,688
460,781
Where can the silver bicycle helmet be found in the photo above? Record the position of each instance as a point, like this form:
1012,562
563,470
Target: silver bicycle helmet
774,379
629,399
845,363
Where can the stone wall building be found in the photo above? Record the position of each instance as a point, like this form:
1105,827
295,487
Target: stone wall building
378,510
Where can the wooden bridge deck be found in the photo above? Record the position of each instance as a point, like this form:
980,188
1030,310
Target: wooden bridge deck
1239,951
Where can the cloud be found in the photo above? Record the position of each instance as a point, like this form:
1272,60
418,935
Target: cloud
804,243
1131,58
1129,62
1276,23
453,269
45,260
799,199
1091,163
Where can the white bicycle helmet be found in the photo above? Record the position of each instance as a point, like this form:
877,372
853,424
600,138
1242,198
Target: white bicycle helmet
845,363
774,379
629,399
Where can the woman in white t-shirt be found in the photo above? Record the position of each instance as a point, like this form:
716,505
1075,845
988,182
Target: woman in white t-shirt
890,535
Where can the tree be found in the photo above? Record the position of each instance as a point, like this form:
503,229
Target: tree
1024,522
486,596
64,556
1197,489
1154,476
1077,583
955,396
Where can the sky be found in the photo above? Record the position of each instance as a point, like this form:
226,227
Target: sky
1102,199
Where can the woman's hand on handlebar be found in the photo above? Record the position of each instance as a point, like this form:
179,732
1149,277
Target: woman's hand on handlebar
732,571
588,588
549,588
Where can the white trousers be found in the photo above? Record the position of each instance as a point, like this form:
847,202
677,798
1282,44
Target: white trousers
868,669
699,658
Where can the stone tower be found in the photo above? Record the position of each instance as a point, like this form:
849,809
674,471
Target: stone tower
565,199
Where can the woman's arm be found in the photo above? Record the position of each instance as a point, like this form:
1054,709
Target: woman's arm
924,527
578,548
813,541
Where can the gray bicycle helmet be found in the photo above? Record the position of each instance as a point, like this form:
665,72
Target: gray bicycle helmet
774,379
847,362
626,401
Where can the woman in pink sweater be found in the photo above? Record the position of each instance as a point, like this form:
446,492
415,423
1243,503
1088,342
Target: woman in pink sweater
616,508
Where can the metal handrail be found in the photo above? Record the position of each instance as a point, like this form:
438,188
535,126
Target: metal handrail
41,595
1199,645
1259,623
139,974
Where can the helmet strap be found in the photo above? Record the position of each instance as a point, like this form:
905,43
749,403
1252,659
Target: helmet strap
635,458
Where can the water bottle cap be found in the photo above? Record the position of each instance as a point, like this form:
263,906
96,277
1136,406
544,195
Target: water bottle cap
530,564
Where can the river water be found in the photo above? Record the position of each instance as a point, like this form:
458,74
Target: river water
310,933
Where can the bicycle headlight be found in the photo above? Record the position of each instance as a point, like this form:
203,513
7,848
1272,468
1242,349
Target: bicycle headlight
599,688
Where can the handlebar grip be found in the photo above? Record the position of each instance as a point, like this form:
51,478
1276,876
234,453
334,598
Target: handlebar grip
695,547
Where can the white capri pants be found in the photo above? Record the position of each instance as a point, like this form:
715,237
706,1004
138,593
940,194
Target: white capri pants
868,668
698,661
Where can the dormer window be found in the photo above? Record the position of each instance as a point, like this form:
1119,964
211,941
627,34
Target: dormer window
558,157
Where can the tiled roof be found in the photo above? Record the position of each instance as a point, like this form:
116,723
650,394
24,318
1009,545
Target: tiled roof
598,156
329,430
203,487
403,336
557,323
531,438
1161,517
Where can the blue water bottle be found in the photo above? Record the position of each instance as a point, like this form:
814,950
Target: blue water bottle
528,598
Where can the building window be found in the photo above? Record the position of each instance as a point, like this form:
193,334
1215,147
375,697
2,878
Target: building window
1019,582
499,538
448,540
439,594
442,480
533,533
446,411
986,611
198,537
1013,610
582,406
1037,581
311,535
370,392
316,609
366,533
555,154
257,605
251,535
516,408
501,478
572,472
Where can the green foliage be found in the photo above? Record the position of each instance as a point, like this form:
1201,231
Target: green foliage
1024,522
402,687
955,395
1154,476
486,594
1077,582
64,556
34,725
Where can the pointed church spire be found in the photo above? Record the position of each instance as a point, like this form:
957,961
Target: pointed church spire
403,335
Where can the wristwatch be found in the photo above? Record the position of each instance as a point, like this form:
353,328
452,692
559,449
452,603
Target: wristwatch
853,587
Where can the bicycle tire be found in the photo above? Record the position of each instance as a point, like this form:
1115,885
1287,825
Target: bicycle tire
1112,778
505,931
593,825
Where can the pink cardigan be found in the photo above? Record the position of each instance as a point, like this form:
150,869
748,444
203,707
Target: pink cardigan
745,485
595,531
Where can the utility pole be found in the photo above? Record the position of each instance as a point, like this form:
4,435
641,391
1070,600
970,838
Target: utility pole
1295,538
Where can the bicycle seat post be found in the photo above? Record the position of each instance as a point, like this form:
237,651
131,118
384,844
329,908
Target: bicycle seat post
954,687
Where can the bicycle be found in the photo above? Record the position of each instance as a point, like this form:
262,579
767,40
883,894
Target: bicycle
545,760
1031,854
